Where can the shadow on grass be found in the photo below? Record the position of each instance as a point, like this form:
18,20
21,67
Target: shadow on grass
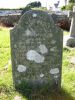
47,95
55,95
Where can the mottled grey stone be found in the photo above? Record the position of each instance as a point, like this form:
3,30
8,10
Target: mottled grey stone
71,40
36,52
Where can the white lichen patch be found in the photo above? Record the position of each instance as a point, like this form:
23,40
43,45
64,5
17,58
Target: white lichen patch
56,76
32,55
15,46
53,49
19,81
15,61
34,15
51,35
21,68
54,71
53,42
30,32
43,49
41,75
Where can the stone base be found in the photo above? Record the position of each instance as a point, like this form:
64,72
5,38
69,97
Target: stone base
71,42
31,87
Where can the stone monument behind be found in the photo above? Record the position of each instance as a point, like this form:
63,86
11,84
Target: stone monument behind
71,39
36,52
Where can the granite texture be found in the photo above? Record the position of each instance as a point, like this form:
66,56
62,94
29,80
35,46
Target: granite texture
36,52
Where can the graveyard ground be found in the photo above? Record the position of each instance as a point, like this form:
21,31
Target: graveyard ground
7,92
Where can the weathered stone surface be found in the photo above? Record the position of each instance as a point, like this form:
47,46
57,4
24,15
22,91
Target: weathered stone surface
36,51
71,40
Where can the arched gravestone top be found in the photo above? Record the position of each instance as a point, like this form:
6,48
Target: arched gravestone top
36,51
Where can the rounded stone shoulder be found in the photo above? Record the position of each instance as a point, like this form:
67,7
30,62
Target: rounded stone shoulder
36,14
71,42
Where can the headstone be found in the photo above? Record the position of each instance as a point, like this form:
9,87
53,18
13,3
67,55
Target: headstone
36,52
56,6
71,39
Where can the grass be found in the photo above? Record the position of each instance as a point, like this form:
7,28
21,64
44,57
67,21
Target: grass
7,91
68,71
4,47
66,32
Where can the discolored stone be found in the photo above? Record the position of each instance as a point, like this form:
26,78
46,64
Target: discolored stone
36,52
